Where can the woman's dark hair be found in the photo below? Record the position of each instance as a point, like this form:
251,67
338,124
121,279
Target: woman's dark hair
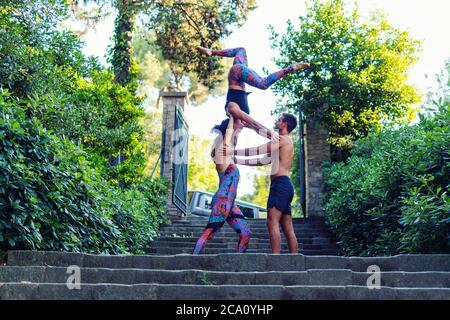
222,127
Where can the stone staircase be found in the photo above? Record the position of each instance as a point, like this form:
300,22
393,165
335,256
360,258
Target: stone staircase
226,276
313,237
169,272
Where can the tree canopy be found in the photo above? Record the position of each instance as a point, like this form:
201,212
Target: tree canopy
179,27
359,71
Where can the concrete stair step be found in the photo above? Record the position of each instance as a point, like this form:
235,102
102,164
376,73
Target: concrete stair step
253,240
208,250
232,245
252,222
213,292
232,233
314,277
202,224
232,262
254,230
295,220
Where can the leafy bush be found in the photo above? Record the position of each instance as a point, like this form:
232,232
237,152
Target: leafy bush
392,195
103,118
63,123
52,198
72,95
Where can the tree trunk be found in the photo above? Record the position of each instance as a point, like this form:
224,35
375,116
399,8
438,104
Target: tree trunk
122,37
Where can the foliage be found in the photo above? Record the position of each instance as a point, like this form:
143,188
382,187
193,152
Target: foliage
63,121
101,116
34,55
152,126
202,174
179,27
359,70
261,184
295,176
441,95
72,95
392,195
157,72
51,197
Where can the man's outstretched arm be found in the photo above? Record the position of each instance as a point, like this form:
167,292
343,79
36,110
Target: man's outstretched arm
261,161
266,148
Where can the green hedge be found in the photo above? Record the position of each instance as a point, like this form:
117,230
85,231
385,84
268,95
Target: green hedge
51,197
391,196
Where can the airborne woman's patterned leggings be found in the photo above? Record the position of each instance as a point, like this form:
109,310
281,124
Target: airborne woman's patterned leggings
224,209
240,73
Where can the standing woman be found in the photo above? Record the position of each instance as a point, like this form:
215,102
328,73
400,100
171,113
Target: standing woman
223,206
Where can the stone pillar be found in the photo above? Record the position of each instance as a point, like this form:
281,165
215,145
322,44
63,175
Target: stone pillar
170,101
317,151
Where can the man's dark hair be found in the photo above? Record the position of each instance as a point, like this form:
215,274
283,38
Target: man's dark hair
291,121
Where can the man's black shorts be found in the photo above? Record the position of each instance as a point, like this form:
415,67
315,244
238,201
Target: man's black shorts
281,194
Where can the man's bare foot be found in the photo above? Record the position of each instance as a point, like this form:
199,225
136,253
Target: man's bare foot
205,51
300,65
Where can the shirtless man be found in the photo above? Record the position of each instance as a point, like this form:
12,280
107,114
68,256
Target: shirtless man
280,154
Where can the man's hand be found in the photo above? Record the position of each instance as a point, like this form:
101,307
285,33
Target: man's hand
226,151
275,137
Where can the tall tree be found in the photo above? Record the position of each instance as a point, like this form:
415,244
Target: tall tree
359,70
156,72
179,26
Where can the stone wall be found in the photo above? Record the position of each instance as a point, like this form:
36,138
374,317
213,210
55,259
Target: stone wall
317,151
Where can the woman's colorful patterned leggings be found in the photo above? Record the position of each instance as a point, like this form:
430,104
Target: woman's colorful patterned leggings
224,209
240,73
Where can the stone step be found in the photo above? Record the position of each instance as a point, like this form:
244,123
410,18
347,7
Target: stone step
253,222
201,224
47,291
232,262
193,240
213,251
263,224
232,245
314,277
295,219
231,233
254,230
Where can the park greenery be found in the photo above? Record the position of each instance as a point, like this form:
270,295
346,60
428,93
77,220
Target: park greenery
63,120
78,139
359,72
391,195
76,143
387,184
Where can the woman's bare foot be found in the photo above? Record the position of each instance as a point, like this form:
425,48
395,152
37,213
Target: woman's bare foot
205,51
300,65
